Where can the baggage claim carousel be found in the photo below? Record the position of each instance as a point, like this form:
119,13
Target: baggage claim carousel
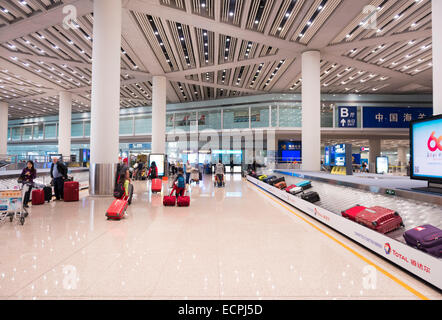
391,246
8,179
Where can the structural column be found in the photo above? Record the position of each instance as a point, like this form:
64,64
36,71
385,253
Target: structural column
437,56
311,111
105,109
159,114
402,158
64,123
3,128
375,151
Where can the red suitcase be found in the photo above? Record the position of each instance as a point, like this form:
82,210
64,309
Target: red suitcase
38,197
71,191
157,185
290,188
353,212
380,219
169,201
117,209
183,201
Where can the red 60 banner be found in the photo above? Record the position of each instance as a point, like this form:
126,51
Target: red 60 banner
434,143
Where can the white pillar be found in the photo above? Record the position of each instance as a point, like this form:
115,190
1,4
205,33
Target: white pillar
402,158
375,151
311,111
105,109
3,128
437,56
64,123
159,114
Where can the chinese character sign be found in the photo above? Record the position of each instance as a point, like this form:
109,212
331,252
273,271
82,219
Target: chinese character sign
393,117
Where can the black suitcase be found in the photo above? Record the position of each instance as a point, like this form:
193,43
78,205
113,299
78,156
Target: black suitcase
278,180
310,196
48,193
269,179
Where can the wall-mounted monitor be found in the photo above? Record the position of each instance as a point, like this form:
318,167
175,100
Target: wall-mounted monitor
426,149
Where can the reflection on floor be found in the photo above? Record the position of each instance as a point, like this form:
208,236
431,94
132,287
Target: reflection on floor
233,243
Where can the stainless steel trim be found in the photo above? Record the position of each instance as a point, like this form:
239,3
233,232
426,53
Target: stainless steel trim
102,179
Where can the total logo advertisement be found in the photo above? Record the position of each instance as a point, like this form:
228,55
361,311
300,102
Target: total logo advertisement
405,258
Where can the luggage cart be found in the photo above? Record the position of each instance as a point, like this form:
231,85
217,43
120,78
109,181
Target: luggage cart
11,204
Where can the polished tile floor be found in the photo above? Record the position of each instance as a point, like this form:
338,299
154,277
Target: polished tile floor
231,243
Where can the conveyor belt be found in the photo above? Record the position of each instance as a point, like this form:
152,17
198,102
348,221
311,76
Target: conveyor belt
44,178
338,198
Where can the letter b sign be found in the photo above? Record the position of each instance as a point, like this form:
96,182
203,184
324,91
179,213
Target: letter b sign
344,113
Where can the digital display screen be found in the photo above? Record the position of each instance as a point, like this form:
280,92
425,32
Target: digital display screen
381,165
426,149
289,155
159,161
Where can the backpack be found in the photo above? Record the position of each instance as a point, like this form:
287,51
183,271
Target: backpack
119,190
153,173
181,182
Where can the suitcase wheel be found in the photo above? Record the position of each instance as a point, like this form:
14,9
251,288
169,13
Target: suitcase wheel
375,223
396,213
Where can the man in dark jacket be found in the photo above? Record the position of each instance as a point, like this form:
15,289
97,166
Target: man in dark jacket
59,173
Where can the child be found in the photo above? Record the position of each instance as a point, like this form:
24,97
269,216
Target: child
179,184
123,188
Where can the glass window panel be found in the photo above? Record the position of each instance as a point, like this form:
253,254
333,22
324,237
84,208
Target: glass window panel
259,117
274,116
169,122
87,129
38,132
185,121
126,126
77,129
327,116
237,118
143,125
50,131
9,133
209,119
290,116
16,133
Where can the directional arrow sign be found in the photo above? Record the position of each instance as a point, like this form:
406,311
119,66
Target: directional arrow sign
348,117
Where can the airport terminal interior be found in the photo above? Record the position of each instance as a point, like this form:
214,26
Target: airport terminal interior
220,149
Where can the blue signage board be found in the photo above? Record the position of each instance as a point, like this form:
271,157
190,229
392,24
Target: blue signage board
348,117
327,156
340,155
356,158
393,117
145,146
290,151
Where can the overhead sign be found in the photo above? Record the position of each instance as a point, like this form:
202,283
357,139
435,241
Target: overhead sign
348,117
393,117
